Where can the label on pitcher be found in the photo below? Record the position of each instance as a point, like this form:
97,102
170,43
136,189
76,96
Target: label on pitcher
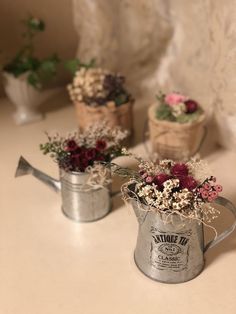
169,250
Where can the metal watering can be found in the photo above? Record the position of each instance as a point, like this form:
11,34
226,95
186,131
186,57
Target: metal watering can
80,202
173,252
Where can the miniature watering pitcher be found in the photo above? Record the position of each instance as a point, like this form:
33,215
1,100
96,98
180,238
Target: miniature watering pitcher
80,201
173,252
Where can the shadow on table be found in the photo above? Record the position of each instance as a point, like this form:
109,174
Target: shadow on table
118,181
140,117
224,221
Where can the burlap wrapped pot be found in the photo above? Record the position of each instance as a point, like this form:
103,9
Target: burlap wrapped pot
175,140
115,115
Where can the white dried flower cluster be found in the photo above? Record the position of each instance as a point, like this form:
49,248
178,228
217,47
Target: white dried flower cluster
166,199
101,130
199,169
178,110
88,83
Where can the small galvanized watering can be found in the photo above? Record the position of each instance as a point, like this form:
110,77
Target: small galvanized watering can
173,252
80,201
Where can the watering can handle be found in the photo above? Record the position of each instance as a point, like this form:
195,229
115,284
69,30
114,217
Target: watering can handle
230,206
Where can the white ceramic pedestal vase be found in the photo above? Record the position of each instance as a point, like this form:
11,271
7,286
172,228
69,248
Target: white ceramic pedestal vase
25,97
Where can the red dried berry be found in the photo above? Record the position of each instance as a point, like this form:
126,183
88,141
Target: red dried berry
191,106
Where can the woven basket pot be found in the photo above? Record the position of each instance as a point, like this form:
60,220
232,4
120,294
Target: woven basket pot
115,115
175,140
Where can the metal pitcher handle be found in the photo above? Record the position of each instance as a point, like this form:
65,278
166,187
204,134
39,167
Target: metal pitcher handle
205,131
230,206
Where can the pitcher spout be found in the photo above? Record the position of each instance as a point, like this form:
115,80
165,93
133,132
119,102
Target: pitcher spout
139,211
24,168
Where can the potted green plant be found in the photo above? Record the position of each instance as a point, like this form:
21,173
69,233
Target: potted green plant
176,125
98,95
25,75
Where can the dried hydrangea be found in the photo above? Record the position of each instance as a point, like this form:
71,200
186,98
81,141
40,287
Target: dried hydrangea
97,86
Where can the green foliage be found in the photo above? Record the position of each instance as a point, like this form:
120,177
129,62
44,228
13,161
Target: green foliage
164,113
121,99
39,70
74,65
188,117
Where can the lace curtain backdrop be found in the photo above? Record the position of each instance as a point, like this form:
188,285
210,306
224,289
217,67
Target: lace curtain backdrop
181,45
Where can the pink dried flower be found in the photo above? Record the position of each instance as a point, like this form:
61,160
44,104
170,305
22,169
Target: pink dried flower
213,194
174,99
210,199
207,186
218,188
179,170
201,190
204,194
144,175
149,179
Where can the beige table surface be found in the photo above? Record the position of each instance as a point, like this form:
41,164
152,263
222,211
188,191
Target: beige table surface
52,265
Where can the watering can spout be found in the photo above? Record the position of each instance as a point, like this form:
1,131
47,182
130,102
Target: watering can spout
24,168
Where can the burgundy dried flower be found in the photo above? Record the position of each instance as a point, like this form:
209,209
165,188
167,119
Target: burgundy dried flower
179,170
101,145
188,182
71,145
160,179
90,153
191,106
100,158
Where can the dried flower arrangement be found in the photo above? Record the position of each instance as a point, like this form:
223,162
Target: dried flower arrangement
97,86
38,71
80,150
176,107
172,187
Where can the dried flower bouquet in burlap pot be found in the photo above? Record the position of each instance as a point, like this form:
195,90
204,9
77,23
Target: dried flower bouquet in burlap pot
84,181
172,202
100,95
177,126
